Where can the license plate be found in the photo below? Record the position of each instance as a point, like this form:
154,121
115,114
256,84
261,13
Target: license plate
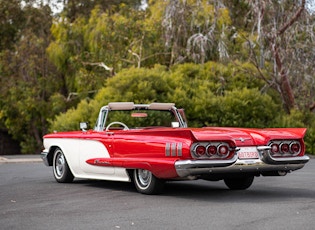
248,153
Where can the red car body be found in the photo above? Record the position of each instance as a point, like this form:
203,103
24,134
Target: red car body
169,150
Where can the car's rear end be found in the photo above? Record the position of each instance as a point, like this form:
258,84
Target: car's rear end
223,153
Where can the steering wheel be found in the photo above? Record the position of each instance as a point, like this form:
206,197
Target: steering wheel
117,123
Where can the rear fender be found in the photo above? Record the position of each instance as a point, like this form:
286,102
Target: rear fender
160,168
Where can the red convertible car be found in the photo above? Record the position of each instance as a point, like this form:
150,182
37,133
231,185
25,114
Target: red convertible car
149,144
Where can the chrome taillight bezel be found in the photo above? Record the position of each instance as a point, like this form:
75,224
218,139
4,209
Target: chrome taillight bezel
226,149
292,146
285,148
210,147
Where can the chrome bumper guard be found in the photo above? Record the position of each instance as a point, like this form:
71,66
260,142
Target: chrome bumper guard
44,156
265,163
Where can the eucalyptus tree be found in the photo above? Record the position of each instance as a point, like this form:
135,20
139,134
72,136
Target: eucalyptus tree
283,35
196,31
276,36
74,9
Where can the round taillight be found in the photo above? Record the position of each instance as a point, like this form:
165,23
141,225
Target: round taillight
295,148
274,148
200,150
211,150
223,150
284,148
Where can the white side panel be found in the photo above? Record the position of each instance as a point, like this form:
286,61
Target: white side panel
93,149
70,148
77,151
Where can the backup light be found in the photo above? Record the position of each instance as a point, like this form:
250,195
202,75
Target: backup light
223,150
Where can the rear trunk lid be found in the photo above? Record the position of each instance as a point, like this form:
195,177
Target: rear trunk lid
247,136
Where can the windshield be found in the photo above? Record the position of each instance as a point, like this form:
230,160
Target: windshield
141,118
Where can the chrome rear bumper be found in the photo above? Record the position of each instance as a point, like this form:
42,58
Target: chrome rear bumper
265,163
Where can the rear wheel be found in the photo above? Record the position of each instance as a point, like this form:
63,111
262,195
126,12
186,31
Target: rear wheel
146,183
61,168
239,183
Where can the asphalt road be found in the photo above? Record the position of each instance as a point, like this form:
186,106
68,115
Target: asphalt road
31,199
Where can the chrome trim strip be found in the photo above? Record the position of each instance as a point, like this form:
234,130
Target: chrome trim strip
173,150
262,148
168,149
180,149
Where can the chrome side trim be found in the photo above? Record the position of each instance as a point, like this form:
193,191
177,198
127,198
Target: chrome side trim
179,149
168,149
173,150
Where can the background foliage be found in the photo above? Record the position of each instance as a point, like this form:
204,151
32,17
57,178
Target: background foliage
228,63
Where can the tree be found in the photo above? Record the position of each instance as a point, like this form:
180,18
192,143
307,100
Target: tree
273,35
91,49
74,9
29,81
196,31
12,20
283,29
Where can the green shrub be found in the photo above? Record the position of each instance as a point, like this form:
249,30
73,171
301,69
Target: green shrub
237,108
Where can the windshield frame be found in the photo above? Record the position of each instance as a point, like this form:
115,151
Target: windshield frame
130,106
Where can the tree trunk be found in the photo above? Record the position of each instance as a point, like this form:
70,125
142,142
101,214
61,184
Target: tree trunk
285,87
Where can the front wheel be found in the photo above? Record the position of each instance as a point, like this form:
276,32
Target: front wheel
61,168
146,183
239,183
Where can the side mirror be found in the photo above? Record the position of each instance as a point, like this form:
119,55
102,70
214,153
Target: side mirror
83,126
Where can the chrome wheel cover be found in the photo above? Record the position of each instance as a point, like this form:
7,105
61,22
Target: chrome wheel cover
144,178
59,167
